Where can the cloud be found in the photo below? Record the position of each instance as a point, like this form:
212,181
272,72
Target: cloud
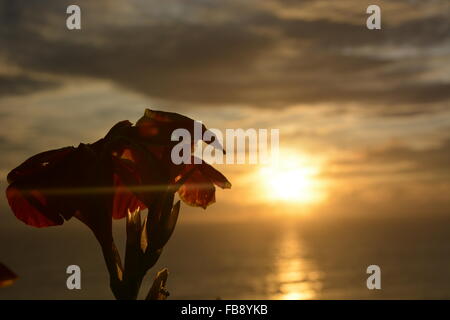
237,53
397,160
23,84
434,159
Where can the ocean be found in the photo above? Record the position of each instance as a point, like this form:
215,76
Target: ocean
261,259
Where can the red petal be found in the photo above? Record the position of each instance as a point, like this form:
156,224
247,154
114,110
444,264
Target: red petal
216,177
198,190
26,194
158,126
38,163
136,181
30,208
45,193
124,200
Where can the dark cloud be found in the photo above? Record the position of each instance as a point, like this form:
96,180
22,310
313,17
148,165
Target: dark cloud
400,159
22,84
251,56
432,159
11,151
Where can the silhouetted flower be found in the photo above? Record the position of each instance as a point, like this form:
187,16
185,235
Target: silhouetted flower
128,170
150,132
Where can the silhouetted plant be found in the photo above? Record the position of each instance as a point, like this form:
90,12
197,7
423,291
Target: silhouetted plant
7,277
118,176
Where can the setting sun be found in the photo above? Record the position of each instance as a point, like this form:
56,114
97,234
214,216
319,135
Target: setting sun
291,179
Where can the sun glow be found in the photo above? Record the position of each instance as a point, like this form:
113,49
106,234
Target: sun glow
291,179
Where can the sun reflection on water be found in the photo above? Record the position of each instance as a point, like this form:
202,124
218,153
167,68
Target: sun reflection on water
297,277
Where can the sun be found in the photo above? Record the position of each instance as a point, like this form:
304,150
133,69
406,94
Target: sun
291,179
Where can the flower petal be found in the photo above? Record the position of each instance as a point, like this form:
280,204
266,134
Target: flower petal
31,207
29,194
198,192
124,200
37,163
70,181
138,179
158,126
198,188
216,177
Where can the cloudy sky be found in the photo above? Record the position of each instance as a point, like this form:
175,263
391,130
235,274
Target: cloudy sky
366,112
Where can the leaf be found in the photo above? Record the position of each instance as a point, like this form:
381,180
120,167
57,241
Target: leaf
144,237
158,290
133,251
169,223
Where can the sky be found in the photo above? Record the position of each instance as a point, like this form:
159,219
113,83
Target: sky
364,115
